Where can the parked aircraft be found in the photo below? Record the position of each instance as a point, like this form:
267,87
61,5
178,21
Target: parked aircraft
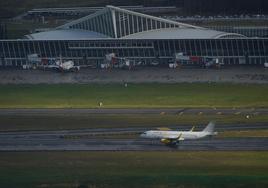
63,66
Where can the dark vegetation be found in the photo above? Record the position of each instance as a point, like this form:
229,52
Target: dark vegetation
226,6
13,7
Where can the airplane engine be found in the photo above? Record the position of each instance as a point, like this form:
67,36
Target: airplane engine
165,141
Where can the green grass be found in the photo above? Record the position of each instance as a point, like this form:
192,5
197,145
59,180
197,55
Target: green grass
134,169
133,96
45,122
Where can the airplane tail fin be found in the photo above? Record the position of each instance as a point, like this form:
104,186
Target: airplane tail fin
210,127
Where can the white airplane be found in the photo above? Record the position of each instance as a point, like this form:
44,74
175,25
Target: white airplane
172,138
67,65
64,65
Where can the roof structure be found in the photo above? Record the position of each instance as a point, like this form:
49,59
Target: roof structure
183,33
63,34
114,22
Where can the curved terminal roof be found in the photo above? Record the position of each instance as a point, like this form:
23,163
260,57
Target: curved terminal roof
63,34
118,23
182,33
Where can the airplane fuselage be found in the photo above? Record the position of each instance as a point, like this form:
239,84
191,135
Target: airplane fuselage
173,137
187,135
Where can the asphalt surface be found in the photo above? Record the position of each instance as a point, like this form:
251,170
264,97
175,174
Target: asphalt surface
63,141
127,130
228,74
58,144
223,111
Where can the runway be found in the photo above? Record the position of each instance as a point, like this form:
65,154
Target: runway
64,141
241,144
130,130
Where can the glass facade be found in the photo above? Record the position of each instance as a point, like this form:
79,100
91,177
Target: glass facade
231,51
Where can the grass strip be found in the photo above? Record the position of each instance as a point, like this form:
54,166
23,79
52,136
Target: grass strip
134,169
196,95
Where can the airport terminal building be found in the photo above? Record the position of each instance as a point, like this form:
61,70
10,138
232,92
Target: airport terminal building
139,37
